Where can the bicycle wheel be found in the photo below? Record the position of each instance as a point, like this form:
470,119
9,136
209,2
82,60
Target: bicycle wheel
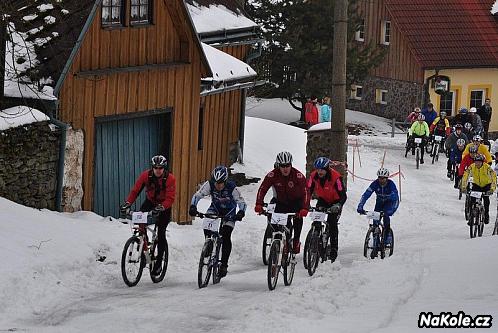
216,265
289,267
164,264
417,157
428,147
368,245
437,152
434,153
495,230
205,266
480,224
273,266
307,248
132,262
473,227
266,244
313,253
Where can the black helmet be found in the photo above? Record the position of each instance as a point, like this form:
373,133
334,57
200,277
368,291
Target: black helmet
479,157
159,161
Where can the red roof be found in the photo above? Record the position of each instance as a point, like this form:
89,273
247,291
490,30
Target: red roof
448,33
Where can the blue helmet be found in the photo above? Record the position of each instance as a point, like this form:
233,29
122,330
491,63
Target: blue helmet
220,174
322,163
463,110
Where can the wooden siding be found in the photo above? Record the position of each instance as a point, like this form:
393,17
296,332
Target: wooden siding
399,63
84,98
238,51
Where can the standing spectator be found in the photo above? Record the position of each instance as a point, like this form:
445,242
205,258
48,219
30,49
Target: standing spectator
325,110
485,114
311,111
429,113
475,120
413,116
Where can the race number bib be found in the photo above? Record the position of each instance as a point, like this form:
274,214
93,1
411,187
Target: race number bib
139,218
476,194
318,216
211,224
438,138
373,215
279,218
418,140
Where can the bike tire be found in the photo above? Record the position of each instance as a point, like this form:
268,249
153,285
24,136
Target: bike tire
307,248
382,248
164,264
428,147
367,249
273,266
434,152
313,254
495,230
437,153
417,157
131,275
216,267
205,263
472,225
289,268
265,251
480,225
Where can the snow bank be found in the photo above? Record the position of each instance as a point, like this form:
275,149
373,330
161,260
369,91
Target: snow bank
20,115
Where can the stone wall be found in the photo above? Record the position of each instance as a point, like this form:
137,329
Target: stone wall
402,98
319,144
72,190
28,164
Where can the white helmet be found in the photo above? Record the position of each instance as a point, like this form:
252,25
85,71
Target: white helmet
284,157
473,110
382,172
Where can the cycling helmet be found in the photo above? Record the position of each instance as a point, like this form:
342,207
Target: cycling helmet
159,161
458,126
322,163
473,110
463,110
284,158
421,117
473,149
460,142
477,137
220,174
382,172
417,110
479,157
442,114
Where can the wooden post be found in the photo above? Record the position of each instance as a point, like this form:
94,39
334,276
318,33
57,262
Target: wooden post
383,159
393,126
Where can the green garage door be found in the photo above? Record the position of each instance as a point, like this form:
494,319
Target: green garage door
123,148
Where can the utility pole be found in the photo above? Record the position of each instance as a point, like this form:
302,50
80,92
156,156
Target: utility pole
3,41
338,127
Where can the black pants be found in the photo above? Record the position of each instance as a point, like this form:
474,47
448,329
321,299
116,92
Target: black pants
485,126
332,221
226,245
162,223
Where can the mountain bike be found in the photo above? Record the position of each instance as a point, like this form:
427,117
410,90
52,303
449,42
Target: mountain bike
476,214
437,146
418,143
210,261
281,254
317,245
140,249
374,240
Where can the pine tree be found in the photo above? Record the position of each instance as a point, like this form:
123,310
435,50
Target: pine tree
298,53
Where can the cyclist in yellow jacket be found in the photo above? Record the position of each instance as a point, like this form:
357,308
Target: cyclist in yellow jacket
419,129
483,180
481,148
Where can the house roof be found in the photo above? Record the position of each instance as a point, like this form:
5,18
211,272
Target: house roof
219,16
226,68
448,33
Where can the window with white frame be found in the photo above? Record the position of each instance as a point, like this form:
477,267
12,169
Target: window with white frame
356,92
113,12
477,98
381,96
386,32
447,102
141,12
360,33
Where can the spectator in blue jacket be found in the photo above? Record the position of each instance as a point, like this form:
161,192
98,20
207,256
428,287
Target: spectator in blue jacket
325,110
387,198
429,113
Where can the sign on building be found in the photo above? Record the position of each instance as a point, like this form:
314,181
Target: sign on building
441,84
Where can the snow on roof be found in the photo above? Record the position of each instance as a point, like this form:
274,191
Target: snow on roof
20,115
217,18
225,67
494,9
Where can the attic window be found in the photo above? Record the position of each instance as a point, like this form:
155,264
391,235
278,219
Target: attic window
113,12
386,33
141,12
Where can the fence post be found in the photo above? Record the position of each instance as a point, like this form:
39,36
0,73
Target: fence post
393,125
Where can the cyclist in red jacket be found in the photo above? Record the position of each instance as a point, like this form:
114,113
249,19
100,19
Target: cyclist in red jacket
327,185
290,193
160,186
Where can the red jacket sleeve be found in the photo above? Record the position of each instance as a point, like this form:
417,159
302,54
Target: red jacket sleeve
265,186
170,191
303,186
137,188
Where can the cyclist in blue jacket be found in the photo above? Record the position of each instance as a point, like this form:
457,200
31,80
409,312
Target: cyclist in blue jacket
387,198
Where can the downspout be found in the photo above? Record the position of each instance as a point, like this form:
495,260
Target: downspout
60,167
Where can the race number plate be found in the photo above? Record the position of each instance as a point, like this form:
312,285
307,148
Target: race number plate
373,215
279,218
438,138
476,194
418,140
211,224
270,208
318,216
139,218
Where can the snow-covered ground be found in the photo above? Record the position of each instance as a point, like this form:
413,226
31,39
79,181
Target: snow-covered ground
52,280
